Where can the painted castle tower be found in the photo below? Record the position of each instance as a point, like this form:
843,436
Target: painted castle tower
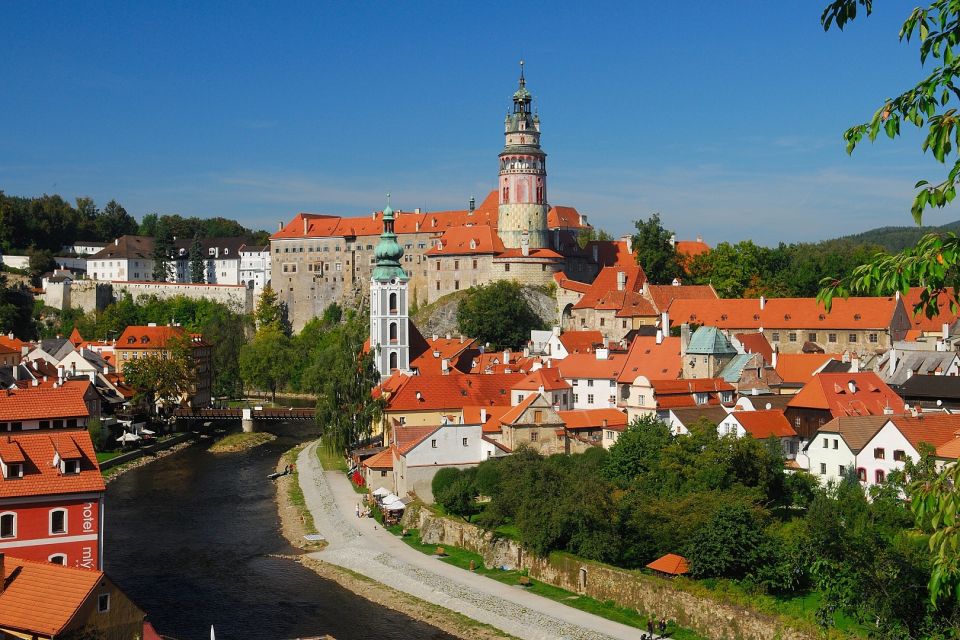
523,177
389,319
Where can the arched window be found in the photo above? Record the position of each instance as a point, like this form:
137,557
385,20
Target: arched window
393,303
393,360
58,558
861,474
8,525
58,521
393,332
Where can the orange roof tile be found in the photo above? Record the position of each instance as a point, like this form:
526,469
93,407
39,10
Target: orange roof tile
786,313
921,321
382,460
763,424
472,415
663,295
692,248
44,403
831,391
544,378
655,361
580,341
75,338
613,419
514,413
467,240
571,285
141,337
13,343
564,218
453,391
587,365
756,343
935,429
39,477
800,367
42,597
611,253
950,450
406,438
673,394
427,354
604,292
671,564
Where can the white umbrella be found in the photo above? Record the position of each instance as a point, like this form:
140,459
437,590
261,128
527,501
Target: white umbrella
390,498
395,506
147,432
128,437
381,492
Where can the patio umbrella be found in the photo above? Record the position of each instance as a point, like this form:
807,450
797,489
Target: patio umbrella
147,432
381,492
128,437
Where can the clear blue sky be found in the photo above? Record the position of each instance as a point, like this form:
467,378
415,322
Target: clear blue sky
726,118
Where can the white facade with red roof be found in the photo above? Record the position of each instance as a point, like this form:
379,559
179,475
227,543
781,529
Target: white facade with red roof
50,406
51,498
761,425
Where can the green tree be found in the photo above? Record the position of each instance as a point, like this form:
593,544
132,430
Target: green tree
41,262
161,382
731,545
114,221
638,448
270,311
590,234
498,314
198,265
162,252
655,251
265,360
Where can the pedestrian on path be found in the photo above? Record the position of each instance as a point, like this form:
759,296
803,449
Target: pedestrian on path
650,626
663,626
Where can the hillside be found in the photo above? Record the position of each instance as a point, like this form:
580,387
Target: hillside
440,317
897,238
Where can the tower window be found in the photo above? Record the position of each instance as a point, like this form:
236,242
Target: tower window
393,332
393,360
393,303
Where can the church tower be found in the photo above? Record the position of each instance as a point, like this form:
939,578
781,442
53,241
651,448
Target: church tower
389,319
523,177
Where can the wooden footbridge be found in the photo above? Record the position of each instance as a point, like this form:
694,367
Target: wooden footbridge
247,417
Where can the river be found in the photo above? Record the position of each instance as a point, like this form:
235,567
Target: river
194,539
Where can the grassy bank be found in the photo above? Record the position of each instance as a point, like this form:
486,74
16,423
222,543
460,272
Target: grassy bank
295,493
241,442
463,559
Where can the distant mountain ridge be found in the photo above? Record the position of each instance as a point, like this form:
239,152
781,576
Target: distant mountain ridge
895,239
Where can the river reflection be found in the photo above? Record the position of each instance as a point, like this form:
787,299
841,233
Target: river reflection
192,538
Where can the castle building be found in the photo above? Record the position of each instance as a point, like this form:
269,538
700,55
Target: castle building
389,320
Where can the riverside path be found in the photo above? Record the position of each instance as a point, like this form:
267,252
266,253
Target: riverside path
361,545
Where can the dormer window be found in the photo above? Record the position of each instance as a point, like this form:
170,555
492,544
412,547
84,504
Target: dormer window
70,467
14,470
211,251
144,340
131,340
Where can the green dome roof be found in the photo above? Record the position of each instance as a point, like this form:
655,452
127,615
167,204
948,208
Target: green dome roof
710,341
388,252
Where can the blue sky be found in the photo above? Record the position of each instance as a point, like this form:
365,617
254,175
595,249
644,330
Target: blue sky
724,117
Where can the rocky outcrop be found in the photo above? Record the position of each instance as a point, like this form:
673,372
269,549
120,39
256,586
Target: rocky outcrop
440,318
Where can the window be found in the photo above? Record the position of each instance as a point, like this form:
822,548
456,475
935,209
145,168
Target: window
874,338
879,476
58,558
393,360
456,265
861,474
899,455
71,467
831,337
456,285
843,470
576,398
836,443
103,602
811,337
474,264
506,267
464,442
14,470
393,332
701,398
438,265
58,424
393,303
383,474
58,521
538,416
590,382
852,337
775,336
44,424
796,422
602,321
826,443
534,436
879,453
8,525
793,336
589,398
823,469
433,444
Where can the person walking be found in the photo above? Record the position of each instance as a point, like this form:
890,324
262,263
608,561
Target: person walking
663,626
650,626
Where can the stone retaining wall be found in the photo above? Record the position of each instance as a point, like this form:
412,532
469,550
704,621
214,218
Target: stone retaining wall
139,453
649,594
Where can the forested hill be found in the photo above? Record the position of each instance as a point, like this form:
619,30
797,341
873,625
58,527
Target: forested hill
895,239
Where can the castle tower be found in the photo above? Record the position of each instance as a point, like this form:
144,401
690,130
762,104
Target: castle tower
523,176
389,319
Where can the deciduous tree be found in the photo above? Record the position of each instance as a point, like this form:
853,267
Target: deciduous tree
655,251
498,314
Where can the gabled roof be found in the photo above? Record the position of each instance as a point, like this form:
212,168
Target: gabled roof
75,338
565,218
604,292
935,429
580,341
733,370
910,363
920,320
671,564
382,460
14,343
41,597
647,358
544,378
44,403
663,295
472,415
801,367
427,354
611,253
856,431
146,337
689,415
571,285
406,438
708,340
672,394
692,248
756,343
514,414
453,391
931,387
126,248
613,419
39,476
467,241
833,392
587,365
786,313
763,424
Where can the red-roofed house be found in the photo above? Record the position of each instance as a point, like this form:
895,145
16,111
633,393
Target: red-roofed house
574,342
797,369
853,324
594,427
546,381
660,396
833,395
426,400
51,497
536,424
43,601
762,425
67,406
143,341
593,377
901,438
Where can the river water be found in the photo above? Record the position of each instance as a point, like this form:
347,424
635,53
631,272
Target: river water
193,539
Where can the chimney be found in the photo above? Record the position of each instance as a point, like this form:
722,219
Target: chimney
776,350
525,244
445,366
483,415
673,240
306,226
659,336
646,288
526,352
116,242
855,363
621,280
763,302
506,356
556,330
280,225
684,338
60,373
845,358
892,369
888,410
628,240
946,331
473,204
417,210
106,369
602,353
665,322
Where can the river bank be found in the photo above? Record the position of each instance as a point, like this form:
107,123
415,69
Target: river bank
295,521
112,473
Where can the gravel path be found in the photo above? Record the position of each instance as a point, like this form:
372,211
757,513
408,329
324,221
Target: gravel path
360,545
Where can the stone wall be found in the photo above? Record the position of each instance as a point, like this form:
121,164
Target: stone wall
649,594
235,296
90,295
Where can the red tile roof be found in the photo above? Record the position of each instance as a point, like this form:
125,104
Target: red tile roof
936,429
673,394
671,564
587,365
921,321
611,253
603,292
580,341
427,354
41,597
531,253
756,343
786,313
564,218
692,248
13,343
467,240
43,403
406,438
800,367
571,285
831,391
382,460
39,477
663,295
141,337
514,413
763,424
471,415
453,391
544,378
75,338
655,361
594,419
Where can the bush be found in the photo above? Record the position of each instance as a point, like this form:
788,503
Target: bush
442,480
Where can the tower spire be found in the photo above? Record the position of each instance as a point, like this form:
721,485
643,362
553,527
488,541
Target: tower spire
523,82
